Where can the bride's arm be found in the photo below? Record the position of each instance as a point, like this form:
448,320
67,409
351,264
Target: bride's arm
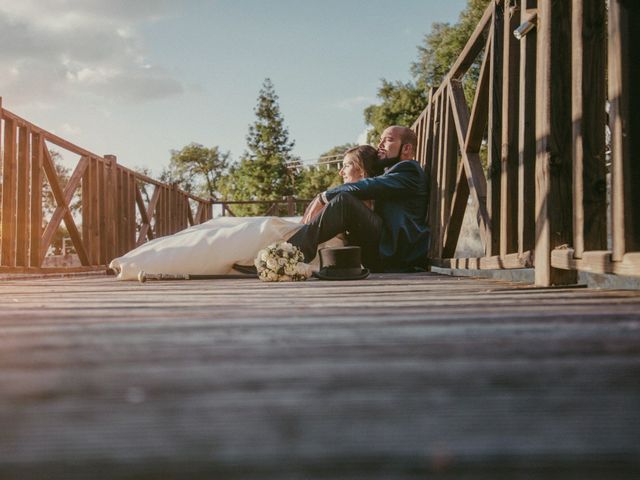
314,208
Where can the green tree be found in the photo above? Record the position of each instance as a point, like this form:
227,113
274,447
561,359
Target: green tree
401,103
197,169
316,179
338,150
320,177
442,46
263,172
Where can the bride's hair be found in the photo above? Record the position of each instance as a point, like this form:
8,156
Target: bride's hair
365,157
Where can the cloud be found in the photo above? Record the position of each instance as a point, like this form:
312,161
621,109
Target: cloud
66,48
354,102
67,128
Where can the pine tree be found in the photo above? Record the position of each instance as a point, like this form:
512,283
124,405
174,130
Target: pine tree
262,173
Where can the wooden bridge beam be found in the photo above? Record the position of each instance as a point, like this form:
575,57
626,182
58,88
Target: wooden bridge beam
527,133
509,134
588,114
494,130
553,138
624,95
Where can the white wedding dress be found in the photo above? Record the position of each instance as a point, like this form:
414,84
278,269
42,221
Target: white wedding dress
210,248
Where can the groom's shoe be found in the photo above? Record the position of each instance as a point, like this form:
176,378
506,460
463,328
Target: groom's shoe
246,269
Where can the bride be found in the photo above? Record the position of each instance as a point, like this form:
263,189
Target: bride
213,247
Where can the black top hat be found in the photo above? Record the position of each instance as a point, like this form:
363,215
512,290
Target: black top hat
341,263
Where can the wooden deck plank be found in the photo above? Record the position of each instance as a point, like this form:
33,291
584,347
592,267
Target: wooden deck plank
397,376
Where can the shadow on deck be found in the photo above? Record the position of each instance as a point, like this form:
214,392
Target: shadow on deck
394,377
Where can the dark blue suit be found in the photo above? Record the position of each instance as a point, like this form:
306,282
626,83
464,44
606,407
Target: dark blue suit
401,197
394,236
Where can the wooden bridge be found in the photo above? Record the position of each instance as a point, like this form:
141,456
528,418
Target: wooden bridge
397,376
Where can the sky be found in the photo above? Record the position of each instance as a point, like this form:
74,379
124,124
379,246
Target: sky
138,78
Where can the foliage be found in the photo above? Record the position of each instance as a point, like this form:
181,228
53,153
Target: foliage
197,169
444,43
337,150
401,103
442,46
318,178
263,172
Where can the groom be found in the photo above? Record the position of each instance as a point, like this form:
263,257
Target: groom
394,235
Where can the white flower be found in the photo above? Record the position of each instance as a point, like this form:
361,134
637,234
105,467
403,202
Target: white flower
281,262
287,247
272,263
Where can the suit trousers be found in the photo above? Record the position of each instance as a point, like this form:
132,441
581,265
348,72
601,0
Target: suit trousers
343,214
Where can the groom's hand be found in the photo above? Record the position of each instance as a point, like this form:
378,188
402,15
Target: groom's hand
314,208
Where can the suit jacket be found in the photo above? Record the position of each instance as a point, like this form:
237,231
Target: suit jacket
401,197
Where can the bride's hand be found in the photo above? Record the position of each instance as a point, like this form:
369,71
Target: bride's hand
314,208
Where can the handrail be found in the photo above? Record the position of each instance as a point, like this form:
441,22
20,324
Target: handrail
540,121
113,217
290,202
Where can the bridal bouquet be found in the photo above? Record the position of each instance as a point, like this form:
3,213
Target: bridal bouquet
281,262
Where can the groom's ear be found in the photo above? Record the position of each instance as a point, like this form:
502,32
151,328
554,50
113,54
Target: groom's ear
407,151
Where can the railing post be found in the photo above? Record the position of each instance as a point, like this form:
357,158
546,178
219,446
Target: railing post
588,113
527,134
436,231
509,134
37,144
9,184
209,207
110,207
553,133
291,206
624,95
22,233
90,212
494,130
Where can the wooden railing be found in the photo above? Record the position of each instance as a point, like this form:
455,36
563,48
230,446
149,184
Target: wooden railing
539,116
107,224
289,206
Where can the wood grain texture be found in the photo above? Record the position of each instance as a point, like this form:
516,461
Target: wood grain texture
527,135
22,232
554,198
623,80
9,188
588,115
35,229
509,135
396,376
494,130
